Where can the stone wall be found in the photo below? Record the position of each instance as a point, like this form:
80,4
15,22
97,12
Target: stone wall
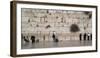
43,22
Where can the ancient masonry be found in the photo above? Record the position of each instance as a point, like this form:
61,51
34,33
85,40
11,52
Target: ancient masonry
42,23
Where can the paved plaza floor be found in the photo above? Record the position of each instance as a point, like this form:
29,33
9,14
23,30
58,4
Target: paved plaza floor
50,44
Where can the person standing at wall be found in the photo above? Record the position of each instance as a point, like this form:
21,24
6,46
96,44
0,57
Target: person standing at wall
33,38
55,39
88,38
80,36
91,36
85,36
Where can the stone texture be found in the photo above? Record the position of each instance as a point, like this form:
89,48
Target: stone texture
34,22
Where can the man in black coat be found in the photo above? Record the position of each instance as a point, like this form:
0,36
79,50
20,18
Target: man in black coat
85,35
54,38
33,39
80,36
91,36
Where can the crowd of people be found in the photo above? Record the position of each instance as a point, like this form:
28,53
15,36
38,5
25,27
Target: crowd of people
82,37
85,36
